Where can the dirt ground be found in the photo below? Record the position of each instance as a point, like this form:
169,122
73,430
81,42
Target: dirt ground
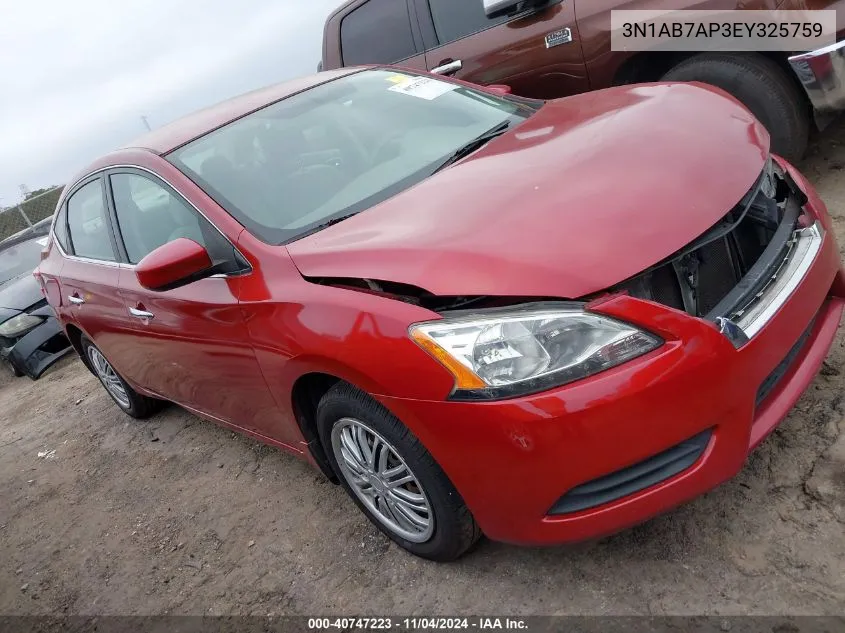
100,514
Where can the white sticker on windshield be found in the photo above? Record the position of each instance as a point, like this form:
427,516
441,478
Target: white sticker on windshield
42,241
423,88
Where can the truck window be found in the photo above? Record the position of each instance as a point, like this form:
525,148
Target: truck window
454,19
378,32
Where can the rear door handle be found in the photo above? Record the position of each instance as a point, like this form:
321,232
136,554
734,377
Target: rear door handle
448,67
141,314
76,300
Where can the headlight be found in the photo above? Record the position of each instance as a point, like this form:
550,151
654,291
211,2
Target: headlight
17,325
510,352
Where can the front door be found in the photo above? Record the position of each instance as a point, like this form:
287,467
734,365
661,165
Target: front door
187,344
537,53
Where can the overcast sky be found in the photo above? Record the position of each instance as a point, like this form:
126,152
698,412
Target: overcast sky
76,76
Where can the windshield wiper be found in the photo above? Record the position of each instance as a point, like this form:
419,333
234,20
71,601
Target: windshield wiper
332,222
473,145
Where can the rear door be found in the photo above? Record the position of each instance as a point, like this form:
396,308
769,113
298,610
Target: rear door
188,344
537,52
90,274
381,32
49,270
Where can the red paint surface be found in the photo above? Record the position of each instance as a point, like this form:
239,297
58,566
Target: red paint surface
171,263
589,192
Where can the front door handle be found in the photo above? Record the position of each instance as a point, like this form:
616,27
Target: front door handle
141,314
76,300
448,67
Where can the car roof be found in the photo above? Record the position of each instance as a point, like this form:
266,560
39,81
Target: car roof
188,128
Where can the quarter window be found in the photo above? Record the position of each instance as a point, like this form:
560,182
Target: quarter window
88,223
60,229
454,19
378,32
150,216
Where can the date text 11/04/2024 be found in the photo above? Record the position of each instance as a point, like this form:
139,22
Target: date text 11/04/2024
417,623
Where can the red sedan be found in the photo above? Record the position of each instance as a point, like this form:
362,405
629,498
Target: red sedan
543,321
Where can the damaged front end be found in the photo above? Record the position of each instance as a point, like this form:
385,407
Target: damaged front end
736,275
33,351
421,297
741,270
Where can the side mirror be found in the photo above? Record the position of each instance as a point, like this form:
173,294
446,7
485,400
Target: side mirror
500,89
498,8
174,264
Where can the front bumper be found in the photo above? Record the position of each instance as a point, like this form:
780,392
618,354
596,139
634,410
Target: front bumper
514,460
39,348
822,73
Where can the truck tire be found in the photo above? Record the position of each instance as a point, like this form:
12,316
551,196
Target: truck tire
764,87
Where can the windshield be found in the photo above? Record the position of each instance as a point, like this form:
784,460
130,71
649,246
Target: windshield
338,148
20,259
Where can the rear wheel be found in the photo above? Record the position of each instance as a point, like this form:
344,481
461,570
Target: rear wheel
130,401
392,477
763,86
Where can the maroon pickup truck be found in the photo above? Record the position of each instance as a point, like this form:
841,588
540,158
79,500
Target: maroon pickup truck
554,48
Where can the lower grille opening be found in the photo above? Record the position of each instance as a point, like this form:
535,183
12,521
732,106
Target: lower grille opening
634,478
772,380
55,344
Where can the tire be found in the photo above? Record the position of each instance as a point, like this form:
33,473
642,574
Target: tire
764,87
16,373
452,529
130,401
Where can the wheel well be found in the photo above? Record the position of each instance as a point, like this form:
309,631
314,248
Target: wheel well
74,335
651,66
647,66
782,60
306,395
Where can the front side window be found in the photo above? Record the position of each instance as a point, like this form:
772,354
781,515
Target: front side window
378,32
337,149
88,223
454,19
149,216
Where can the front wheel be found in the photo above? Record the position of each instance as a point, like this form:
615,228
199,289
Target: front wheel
130,401
392,477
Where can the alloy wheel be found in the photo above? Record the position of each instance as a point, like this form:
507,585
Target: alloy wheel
382,480
108,376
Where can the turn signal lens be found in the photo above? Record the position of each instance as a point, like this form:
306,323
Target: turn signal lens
464,378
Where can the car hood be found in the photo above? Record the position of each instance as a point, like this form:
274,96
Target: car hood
19,294
589,191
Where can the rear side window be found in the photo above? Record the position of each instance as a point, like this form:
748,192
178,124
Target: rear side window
378,32
454,19
88,223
